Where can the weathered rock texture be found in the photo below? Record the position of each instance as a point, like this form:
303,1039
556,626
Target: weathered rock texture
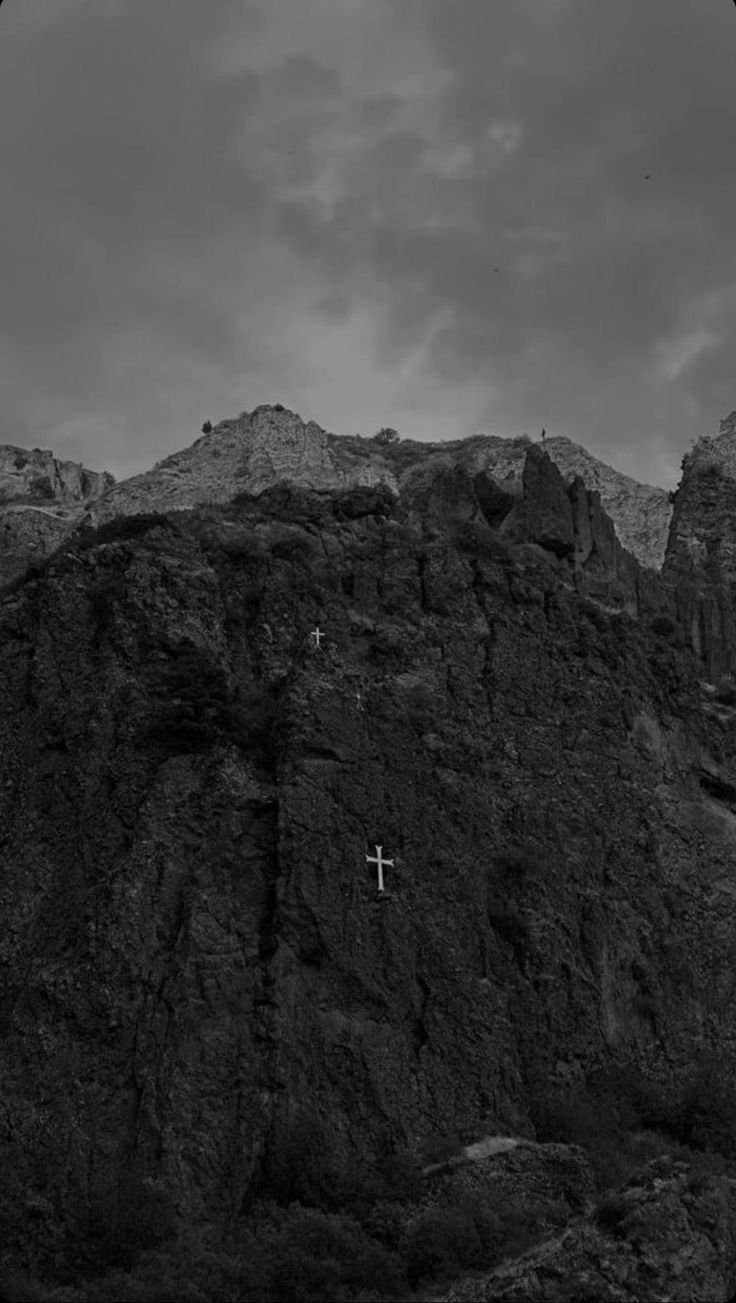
701,552
667,1237
192,947
41,501
270,445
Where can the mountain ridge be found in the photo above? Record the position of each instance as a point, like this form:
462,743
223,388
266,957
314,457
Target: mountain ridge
210,1018
260,448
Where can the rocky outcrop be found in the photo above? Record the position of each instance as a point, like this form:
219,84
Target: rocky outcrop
700,564
640,512
37,476
544,513
668,1235
259,449
41,501
193,950
271,445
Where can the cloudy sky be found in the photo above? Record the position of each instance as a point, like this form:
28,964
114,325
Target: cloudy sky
448,216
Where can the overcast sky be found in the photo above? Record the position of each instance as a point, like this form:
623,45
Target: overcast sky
448,216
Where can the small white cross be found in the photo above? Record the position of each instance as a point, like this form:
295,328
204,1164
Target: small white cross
316,634
379,861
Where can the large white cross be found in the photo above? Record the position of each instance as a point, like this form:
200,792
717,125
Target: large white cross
379,862
316,634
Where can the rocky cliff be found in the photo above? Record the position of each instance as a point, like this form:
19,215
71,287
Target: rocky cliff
210,720
700,563
45,499
41,500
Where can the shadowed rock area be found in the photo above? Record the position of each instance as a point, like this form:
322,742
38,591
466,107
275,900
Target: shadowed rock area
217,1036
270,445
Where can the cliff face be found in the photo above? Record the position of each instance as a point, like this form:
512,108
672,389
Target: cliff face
41,501
701,552
45,499
194,950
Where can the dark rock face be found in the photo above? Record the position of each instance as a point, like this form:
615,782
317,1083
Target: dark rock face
41,500
193,951
545,512
669,1219
700,562
44,498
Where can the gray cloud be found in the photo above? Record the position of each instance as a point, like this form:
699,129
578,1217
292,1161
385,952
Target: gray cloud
432,216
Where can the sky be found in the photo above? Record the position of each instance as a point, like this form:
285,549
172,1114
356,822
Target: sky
452,217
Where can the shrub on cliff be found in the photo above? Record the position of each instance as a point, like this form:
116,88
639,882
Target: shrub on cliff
41,487
121,528
580,1117
292,545
663,626
726,691
365,500
475,1233
305,1166
610,1215
481,541
387,435
194,706
319,1256
705,1115
124,1219
289,503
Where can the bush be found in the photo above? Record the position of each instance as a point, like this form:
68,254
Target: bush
291,504
124,1219
41,487
726,691
366,500
400,1175
578,1117
244,547
483,542
293,545
610,1216
387,435
103,598
196,708
517,863
305,1166
440,1149
122,527
440,1241
663,626
474,1233
321,1256
207,427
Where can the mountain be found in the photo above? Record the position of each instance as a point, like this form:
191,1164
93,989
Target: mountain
270,445
41,500
227,1061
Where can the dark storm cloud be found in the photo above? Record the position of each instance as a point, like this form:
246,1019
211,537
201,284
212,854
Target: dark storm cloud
112,159
597,182
428,213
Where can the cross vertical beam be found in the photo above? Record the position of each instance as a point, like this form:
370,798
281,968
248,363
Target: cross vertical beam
380,863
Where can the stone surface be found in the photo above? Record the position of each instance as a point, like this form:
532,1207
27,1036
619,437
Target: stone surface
192,946
701,552
41,500
667,1238
271,445
192,950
